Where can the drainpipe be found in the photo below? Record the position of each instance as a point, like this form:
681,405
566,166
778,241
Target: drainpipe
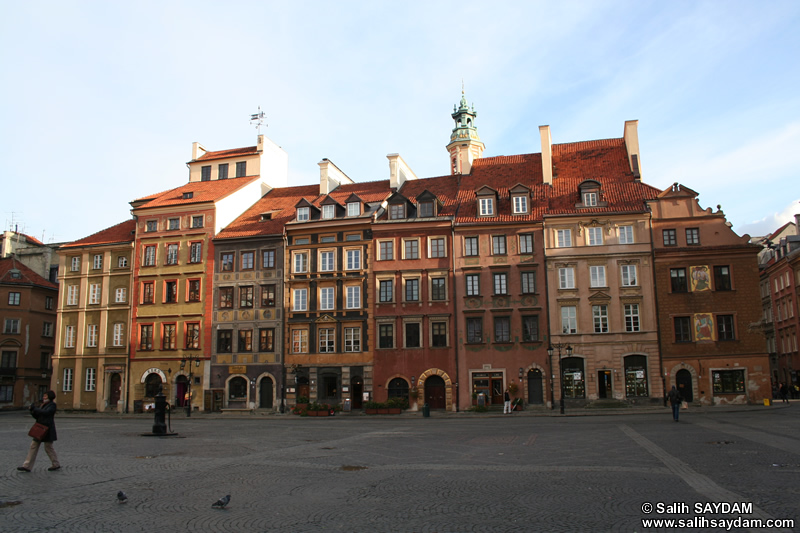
455,301
655,297
549,318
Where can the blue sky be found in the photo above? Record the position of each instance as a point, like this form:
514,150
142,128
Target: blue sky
101,101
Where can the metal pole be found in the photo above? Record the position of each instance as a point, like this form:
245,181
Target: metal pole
189,391
561,377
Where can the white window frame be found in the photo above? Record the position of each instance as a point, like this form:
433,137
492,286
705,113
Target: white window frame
353,209
629,276
299,341
500,283
328,337
97,262
431,241
569,320
67,381
72,295
94,293
328,211
303,214
353,297
119,334
597,276
300,300
590,199
486,207
352,339
566,278
47,329
75,264
69,337
600,318
172,253
525,247
327,260
594,236
563,238
122,262
520,205
353,261
300,262
416,240
91,336
626,235
327,298
633,322
91,380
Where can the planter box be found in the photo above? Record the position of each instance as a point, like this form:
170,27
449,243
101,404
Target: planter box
371,411
383,411
395,410
318,413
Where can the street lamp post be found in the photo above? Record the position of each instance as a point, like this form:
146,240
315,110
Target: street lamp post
196,360
550,351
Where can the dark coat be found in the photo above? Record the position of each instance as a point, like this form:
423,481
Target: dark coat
674,396
46,415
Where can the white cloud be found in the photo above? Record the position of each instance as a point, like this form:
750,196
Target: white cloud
772,222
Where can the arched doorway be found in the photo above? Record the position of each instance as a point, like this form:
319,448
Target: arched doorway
398,388
357,388
535,387
152,385
683,380
265,393
435,393
181,388
237,392
114,390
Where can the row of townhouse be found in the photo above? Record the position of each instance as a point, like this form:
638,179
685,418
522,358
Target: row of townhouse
560,273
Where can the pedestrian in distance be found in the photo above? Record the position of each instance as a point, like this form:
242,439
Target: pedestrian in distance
45,415
784,393
675,399
506,403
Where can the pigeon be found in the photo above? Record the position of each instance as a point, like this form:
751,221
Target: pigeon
222,502
122,497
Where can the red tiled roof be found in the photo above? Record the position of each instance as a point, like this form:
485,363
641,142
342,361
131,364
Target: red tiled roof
445,188
222,154
122,232
27,276
203,191
279,202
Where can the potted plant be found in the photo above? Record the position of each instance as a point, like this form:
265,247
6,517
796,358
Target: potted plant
371,408
301,404
396,405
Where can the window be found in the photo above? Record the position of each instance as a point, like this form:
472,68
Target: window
590,199
353,259
520,205
498,244
501,283
629,275
97,262
72,295
69,337
502,329
411,249
195,252
473,284
118,336
197,221
438,289
352,339
48,302
241,169
120,295
170,292
226,297
386,336
600,318
172,254
192,336
563,238
631,317
636,376
471,246
226,258
268,296
353,297
594,236
328,211
397,211
205,173
94,293
150,226
268,259
669,236
14,298
626,234
91,335
353,237
678,280
11,326
75,264
47,329
386,290
6,393
326,302
149,256
528,282
247,260
412,290
266,340
385,250
438,334
725,328
474,329
245,340
438,248
425,210
486,207
174,223
169,339
303,214
353,209
683,329
91,379
224,341
326,341
693,236
566,278
222,171
722,278
413,335
301,262
530,328
526,243
569,320
597,276
728,381
194,290
67,381
300,300
146,337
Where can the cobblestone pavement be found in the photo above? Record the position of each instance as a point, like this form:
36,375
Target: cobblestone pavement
446,473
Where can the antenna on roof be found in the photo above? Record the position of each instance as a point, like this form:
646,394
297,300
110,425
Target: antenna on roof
258,119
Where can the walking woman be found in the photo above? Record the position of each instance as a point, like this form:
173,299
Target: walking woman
45,415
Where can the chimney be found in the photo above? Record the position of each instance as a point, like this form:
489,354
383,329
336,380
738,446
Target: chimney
198,150
797,224
631,138
547,155
330,176
399,171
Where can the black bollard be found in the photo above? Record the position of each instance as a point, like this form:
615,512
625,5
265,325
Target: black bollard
160,425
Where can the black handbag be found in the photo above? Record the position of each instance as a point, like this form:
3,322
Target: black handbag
38,431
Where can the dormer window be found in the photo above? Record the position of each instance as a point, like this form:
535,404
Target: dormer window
241,169
520,205
303,214
425,210
486,207
188,195
589,195
353,209
590,199
397,211
328,211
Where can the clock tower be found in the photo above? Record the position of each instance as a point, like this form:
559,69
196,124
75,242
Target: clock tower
465,146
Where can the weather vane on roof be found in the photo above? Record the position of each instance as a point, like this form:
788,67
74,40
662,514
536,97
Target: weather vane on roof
258,119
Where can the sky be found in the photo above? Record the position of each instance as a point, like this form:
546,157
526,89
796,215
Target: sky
101,101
